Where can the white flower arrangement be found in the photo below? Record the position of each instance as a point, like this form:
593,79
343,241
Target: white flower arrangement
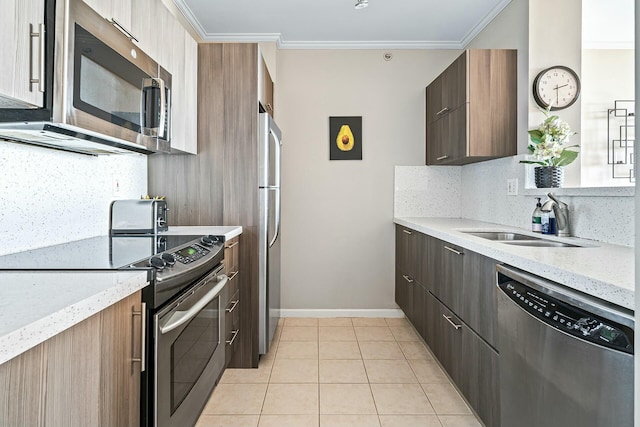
548,143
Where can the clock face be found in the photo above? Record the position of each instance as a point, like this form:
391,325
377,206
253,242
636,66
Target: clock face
557,86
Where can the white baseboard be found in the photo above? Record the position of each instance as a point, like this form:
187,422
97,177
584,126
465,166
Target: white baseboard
382,312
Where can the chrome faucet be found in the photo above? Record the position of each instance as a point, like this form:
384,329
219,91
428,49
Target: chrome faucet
561,211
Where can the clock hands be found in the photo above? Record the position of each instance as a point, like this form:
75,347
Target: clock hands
558,92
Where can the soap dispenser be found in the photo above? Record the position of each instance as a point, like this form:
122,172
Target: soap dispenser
536,218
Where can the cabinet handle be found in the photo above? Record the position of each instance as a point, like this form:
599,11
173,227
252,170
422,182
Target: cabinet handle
407,278
444,110
41,48
233,307
123,30
231,245
442,157
143,337
233,338
453,250
407,232
450,321
233,274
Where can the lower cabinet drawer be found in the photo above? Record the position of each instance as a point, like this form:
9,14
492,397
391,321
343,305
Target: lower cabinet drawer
232,322
234,282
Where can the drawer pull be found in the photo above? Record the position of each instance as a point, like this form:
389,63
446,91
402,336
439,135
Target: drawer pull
231,245
143,336
450,321
407,232
453,250
233,274
233,307
442,157
233,338
123,30
444,110
407,278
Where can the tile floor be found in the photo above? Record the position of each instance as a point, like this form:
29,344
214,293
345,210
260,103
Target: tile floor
344,372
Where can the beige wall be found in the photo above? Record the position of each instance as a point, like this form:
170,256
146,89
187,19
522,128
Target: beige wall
337,216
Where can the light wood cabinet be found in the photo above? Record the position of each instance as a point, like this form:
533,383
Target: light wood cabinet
233,307
118,10
471,109
84,376
19,55
265,83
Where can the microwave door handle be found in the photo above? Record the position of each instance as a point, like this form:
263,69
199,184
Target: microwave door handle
163,108
178,318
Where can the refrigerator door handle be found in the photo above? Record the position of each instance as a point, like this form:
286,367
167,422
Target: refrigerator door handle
278,155
277,218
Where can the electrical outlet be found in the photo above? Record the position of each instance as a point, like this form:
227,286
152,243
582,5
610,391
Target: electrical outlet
116,186
512,187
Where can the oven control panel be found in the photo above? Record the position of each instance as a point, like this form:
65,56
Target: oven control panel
190,254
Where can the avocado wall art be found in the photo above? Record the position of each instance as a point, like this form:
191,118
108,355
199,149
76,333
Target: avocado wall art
345,138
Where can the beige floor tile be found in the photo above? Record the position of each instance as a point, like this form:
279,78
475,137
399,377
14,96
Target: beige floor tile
299,333
404,333
342,371
389,371
409,421
339,350
297,350
396,321
401,399
346,399
229,399
337,333
414,350
228,421
374,333
459,421
294,371
428,371
301,321
292,399
380,350
288,421
349,421
368,321
445,399
335,321
281,321
255,376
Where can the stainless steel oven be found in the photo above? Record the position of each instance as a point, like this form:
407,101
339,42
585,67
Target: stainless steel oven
189,351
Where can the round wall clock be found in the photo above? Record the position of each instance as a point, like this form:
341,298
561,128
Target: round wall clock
557,86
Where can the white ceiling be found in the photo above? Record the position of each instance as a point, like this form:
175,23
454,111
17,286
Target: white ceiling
324,24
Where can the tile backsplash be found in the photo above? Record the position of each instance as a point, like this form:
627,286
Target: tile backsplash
482,195
49,197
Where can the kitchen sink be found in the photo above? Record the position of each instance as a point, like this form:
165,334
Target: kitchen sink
502,236
542,244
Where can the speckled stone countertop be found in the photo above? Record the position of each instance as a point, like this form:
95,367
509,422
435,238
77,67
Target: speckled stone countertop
602,270
35,306
229,232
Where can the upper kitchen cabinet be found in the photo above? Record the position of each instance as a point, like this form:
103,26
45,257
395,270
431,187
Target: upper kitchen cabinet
22,56
146,15
265,88
471,109
118,12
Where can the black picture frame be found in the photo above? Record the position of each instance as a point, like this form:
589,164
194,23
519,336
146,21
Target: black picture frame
345,138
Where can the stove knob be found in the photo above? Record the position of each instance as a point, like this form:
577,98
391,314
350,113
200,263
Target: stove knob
169,259
207,240
156,262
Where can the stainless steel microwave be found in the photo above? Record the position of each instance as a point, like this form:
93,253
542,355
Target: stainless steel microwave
108,95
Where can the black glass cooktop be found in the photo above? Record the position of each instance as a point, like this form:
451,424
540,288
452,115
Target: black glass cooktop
95,253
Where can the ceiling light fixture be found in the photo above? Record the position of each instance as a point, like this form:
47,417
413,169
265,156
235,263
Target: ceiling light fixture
361,4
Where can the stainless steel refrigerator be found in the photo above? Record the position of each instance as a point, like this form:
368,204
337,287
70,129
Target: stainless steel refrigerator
270,157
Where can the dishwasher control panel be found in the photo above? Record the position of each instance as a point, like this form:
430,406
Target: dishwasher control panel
569,319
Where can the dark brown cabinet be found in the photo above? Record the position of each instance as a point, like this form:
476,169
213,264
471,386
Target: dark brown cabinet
479,309
233,307
471,109
446,263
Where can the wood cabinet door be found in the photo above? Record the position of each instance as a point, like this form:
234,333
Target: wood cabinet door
431,323
446,262
454,83
266,88
479,308
404,293
19,60
119,10
434,100
418,306
449,332
407,250
480,378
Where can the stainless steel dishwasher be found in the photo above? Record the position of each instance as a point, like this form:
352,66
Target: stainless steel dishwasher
566,359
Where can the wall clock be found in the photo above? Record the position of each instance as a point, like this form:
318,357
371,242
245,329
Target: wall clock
557,86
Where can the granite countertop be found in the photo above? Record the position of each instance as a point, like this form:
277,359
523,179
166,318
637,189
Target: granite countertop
229,232
35,306
598,269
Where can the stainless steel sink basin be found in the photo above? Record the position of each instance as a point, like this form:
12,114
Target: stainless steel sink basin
502,236
542,243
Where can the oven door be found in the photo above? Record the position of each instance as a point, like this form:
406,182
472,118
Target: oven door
189,353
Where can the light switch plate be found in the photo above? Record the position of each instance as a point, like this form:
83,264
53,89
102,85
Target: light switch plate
512,187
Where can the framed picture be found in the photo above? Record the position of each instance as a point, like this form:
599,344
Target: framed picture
345,138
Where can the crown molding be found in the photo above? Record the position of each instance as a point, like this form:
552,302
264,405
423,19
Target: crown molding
477,29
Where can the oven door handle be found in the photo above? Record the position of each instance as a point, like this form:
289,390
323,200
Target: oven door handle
178,317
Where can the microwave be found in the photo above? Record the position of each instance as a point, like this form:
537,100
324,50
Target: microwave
108,96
